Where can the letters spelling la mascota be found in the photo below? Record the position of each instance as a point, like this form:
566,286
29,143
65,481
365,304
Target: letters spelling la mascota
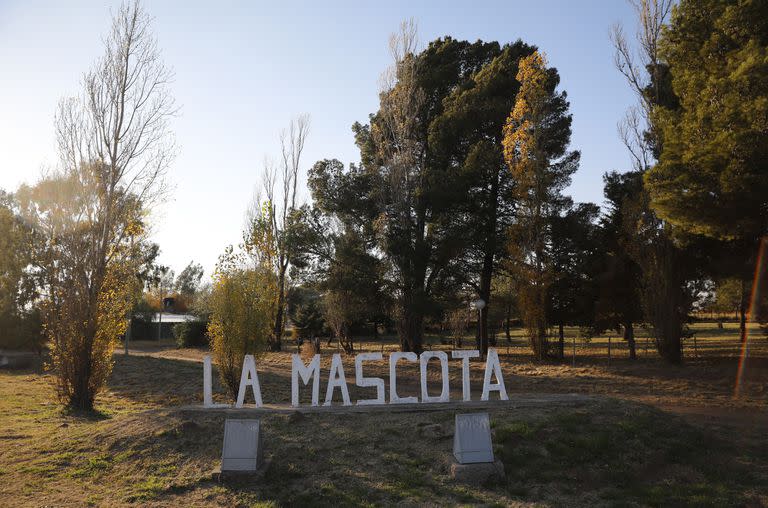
337,380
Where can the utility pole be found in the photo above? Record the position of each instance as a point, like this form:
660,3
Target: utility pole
128,334
479,304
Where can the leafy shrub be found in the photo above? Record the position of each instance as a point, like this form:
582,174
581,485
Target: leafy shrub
242,304
191,334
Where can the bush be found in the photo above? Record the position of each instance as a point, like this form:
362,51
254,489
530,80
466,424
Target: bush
142,329
242,306
191,334
23,332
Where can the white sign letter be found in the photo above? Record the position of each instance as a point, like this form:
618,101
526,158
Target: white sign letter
366,382
445,395
249,377
465,355
336,379
207,387
492,365
393,358
306,372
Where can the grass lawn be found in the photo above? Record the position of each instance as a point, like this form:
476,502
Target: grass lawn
646,435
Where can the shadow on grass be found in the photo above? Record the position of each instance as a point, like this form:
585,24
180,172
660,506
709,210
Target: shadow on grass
92,415
156,381
320,460
626,454
610,452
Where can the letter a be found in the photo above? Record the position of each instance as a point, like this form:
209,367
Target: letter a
249,377
492,365
336,379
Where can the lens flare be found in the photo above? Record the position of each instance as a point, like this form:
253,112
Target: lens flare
754,303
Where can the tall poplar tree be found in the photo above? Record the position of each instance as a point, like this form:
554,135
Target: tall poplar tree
536,137
115,145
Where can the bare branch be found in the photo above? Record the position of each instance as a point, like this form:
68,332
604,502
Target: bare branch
636,65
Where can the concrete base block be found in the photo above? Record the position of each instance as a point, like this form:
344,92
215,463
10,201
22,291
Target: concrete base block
479,473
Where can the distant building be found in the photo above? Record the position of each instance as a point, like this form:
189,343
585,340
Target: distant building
167,321
169,304
144,329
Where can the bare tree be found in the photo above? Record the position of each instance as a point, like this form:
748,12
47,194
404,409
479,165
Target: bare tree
641,68
115,146
664,292
401,103
401,154
270,214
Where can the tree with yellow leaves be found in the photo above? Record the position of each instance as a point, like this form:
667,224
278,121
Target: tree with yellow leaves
115,145
536,137
242,305
86,292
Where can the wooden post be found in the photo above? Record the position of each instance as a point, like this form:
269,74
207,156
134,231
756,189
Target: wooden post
609,350
574,350
128,335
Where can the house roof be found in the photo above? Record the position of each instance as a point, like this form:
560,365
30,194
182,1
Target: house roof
167,317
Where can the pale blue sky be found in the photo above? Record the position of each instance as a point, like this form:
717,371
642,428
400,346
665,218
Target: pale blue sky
243,69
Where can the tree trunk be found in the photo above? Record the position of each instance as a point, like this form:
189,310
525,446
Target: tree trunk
128,332
561,344
275,344
486,274
629,336
609,350
478,333
675,353
482,328
346,339
483,331
82,396
410,324
411,334
507,324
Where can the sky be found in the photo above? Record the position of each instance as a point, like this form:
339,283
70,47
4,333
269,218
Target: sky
244,69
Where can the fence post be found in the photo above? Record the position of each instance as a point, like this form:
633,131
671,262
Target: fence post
574,350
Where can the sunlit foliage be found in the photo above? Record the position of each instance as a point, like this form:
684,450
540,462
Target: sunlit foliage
536,135
242,305
88,269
